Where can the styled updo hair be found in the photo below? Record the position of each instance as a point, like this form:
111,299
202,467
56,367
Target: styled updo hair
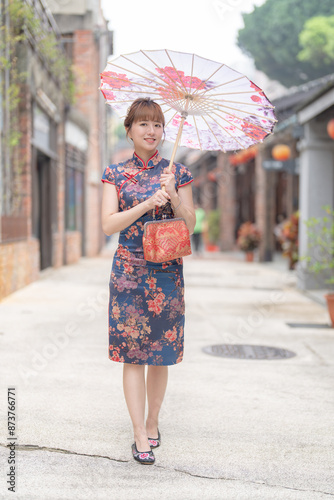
141,109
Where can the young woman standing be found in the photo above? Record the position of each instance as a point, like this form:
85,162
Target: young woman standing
146,307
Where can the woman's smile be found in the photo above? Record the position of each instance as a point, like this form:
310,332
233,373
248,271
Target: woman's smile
146,136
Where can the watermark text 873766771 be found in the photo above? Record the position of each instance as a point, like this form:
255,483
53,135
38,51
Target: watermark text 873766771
11,445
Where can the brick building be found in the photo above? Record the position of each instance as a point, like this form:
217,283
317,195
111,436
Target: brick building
50,182
88,43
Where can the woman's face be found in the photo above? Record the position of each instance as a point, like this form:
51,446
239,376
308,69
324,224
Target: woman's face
146,136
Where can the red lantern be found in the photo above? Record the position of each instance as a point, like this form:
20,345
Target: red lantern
330,128
212,176
281,152
233,160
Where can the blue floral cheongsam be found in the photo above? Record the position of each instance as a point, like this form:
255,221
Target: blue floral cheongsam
146,305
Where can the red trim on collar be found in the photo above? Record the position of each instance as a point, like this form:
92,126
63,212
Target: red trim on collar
145,164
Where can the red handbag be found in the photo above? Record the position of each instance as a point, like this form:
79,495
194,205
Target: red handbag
166,240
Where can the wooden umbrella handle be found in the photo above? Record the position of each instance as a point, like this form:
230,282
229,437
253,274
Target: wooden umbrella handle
177,140
178,137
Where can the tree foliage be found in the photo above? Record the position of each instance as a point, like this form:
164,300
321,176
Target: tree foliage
317,42
271,37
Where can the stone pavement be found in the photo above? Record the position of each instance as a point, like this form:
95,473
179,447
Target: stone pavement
232,429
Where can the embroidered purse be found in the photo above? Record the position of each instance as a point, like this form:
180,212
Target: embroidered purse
166,239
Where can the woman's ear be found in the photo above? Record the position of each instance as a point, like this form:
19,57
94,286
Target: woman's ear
128,136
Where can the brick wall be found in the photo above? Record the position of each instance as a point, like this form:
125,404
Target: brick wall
19,265
72,247
86,62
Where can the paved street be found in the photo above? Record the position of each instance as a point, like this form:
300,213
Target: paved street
231,428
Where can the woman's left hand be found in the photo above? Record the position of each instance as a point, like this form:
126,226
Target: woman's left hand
167,180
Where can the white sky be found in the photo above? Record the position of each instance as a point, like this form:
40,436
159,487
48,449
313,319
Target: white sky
207,28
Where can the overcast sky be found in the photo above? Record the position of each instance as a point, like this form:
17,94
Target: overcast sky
204,27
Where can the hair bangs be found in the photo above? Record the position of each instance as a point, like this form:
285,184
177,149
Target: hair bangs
149,111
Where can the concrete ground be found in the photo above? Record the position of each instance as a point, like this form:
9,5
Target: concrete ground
232,429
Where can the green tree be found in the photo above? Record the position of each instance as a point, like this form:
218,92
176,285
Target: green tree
271,37
317,41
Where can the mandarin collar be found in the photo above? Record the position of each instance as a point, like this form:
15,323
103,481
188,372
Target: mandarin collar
154,160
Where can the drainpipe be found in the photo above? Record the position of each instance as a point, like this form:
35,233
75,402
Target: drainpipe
7,115
1,129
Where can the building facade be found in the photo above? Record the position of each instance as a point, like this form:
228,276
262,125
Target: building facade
50,181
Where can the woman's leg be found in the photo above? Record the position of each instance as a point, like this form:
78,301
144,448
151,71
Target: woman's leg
135,394
157,377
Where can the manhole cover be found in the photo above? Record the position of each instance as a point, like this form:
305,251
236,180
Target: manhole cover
308,325
248,351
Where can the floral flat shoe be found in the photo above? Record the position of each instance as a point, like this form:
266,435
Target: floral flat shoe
154,443
144,457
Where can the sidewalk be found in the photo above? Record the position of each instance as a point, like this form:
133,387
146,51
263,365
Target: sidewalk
232,429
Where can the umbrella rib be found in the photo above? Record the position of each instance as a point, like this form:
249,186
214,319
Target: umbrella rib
229,133
247,104
129,91
171,119
236,92
222,104
134,73
142,67
220,145
124,100
192,72
184,87
199,140
195,93
141,76
230,93
253,114
245,121
169,78
269,106
221,84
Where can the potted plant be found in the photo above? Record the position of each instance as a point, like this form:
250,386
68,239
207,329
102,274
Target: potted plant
287,234
248,239
213,227
321,245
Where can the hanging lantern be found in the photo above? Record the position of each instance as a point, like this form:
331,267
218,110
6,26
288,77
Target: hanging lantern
233,160
330,128
281,152
212,176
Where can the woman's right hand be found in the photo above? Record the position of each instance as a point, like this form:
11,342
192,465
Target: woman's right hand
159,199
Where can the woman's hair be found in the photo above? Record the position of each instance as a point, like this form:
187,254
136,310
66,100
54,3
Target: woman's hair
143,108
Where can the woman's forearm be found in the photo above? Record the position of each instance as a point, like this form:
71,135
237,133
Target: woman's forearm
113,223
182,210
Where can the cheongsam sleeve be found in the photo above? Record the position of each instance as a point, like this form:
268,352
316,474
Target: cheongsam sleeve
109,175
184,176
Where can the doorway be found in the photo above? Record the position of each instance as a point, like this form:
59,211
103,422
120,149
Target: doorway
42,206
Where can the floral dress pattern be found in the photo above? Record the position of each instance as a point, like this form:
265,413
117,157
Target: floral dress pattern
146,305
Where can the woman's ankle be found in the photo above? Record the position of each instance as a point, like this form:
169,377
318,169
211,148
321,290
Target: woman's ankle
152,421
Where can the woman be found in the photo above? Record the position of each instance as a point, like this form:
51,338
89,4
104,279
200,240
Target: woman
146,307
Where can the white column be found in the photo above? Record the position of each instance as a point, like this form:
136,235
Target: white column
316,183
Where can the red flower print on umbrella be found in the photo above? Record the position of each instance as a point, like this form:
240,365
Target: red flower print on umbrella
253,131
116,80
173,77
